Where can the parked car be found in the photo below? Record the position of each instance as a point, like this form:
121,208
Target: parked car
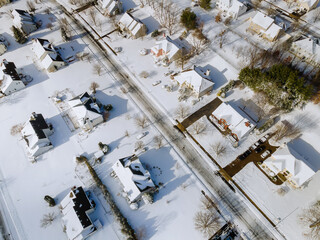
118,49
265,153
141,135
156,83
255,145
265,138
260,149
245,154
144,51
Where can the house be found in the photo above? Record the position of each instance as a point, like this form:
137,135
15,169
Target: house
3,45
136,180
233,8
265,27
290,166
111,7
307,49
24,21
197,79
11,81
36,133
132,25
166,49
308,5
76,208
235,122
47,55
87,109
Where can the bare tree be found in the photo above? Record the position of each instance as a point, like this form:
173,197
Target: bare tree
93,16
141,121
198,127
142,3
126,133
182,111
47,219
9,13
253,55
97,69
138,145
282,190
144,74
310,218
31,6
89,57
207,223
73,2
158,141
141,233
286,130
198,41
219,148
222,38
206,204
49,25
93,87
166,13
16,129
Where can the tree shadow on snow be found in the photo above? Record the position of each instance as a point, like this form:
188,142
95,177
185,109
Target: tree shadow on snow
128,4
151,24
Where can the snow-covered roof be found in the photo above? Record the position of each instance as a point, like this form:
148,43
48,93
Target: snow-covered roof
131,23
41,46
288,159
273,31
167,46
195,77
237,123
311,46
34,129
9,68
22,17
133,176
262,20
310,3
85,107
235,6
75,207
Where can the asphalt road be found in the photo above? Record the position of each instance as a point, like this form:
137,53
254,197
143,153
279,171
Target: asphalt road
230,203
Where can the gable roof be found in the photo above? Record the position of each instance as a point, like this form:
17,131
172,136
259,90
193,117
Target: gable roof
74,209
288,159
262,20
309,45
196,78
9,68
131,23
237,122
168,46
133,176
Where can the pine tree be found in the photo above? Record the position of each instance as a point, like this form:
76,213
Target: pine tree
18,35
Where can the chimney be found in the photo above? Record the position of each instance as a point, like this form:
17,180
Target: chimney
207,72
33,116
5,61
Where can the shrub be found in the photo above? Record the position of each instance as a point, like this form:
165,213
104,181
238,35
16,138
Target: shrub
155,33
189,19
218,18
205,4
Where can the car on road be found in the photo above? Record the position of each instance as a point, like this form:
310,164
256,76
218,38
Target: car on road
265,153
245,154
141,135
260,149
156,83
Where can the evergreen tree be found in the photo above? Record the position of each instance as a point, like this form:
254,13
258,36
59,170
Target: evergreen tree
18,35
188,19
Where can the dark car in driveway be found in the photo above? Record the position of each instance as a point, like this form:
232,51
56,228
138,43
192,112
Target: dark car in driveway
244,155
259,149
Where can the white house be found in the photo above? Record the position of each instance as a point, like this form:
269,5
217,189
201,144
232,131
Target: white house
87,109
36,133
197,79
111,7
265,27
135,179
234,8
75,208
307,49
290,165
227,118
47,55
166,48
11,81
24,21
3,45
132,25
